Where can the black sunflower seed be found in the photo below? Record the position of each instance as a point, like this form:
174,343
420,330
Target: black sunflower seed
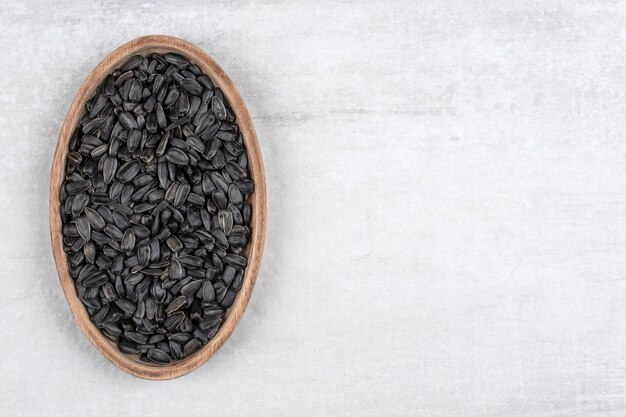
246,186
176,350
76,187
220,199
246,213
108,86
191,288
174,320
221,240
176,270
159,356
127,120
127,347
79,203
96,279
126,305
83,227
228,299
136,337
237,261
113,232
182,192
175,59
171,96
235,171
192,86
133,62
228,275
180,338
143,255
176,156
208,292
218,108
174,243
225,219
176,304
234,195
192,346
89,249
128,171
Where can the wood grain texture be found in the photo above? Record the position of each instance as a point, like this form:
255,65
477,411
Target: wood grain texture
254,250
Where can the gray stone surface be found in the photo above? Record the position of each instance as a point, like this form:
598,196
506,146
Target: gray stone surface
447,205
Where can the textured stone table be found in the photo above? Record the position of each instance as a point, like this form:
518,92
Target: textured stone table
447,209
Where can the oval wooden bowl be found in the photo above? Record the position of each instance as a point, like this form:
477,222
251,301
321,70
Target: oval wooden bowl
254,250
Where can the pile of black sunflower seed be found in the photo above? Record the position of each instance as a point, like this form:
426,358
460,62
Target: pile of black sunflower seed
154,208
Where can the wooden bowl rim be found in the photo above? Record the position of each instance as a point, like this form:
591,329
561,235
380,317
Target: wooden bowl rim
145,45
